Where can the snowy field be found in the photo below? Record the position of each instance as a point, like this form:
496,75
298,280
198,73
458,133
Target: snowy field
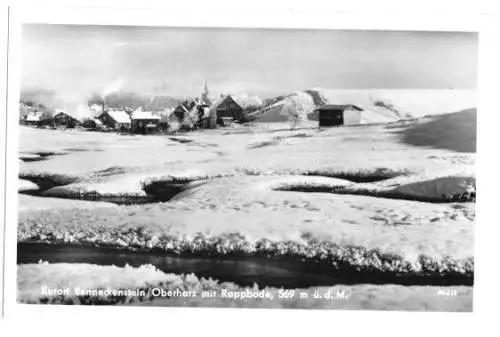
392,199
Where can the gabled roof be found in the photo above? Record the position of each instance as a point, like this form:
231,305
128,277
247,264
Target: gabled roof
339,107
119,116
181,107
59,112
139,114
243,101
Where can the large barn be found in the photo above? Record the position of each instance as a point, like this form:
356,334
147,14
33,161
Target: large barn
228,107
334,115
234,107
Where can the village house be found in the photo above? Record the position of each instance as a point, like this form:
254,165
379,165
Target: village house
194,112
116,119
144,121
62,119
33,119
24,111
334,115
184,109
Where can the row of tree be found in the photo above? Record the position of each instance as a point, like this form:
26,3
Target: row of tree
45,101
129,101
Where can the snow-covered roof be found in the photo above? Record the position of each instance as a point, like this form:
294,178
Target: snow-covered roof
61,112
139,114
119,116
33,118
247,101
182,106
242,100
339,106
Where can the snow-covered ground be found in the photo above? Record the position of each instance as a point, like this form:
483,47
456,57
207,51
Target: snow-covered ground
355,194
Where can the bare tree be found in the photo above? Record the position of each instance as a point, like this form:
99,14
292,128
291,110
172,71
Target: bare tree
296,112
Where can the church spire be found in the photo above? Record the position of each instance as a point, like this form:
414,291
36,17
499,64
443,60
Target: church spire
204,96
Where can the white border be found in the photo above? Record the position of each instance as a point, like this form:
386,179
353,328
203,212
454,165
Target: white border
243,321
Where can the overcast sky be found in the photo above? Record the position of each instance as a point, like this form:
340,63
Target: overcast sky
76,60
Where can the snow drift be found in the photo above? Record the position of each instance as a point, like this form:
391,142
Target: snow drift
456,131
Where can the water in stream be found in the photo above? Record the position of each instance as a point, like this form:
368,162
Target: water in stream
244,271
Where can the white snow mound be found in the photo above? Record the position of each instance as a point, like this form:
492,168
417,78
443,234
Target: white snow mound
439,187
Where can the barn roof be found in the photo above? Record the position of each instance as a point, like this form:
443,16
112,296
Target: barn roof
247,101
140,114
339,107
119,116
243,101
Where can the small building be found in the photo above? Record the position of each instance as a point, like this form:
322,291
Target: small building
144,121
62,119
334,115
32,119
116,119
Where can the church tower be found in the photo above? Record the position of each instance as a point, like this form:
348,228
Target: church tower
204,97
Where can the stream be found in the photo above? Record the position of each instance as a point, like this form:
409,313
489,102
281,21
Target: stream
244,271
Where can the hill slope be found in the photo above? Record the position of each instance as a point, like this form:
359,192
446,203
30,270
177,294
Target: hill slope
380,106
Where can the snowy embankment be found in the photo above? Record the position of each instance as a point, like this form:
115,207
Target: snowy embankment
25,185
30,203
81,284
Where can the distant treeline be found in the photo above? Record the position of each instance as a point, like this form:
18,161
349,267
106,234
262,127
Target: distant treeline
45,101
130,101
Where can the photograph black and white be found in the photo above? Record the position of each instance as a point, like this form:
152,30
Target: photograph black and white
247,167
